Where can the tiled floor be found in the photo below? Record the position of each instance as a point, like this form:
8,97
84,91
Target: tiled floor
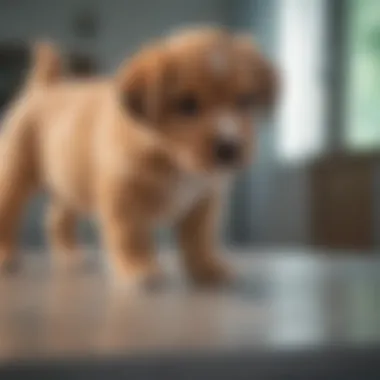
282,300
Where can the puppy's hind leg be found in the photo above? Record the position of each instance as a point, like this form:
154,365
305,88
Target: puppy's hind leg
13,196
16,186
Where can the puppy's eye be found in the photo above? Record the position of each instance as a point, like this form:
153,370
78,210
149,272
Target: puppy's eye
135,104
187,105
245,102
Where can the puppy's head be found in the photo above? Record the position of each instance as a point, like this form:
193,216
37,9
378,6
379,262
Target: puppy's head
200,91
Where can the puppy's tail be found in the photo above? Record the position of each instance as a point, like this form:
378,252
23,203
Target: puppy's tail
47,67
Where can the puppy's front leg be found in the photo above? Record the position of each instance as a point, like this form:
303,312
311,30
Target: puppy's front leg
61,222
197,234
129,241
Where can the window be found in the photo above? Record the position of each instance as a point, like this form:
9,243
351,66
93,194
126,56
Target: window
301,124
362,117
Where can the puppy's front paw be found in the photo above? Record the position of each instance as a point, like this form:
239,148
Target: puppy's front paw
210,273
137,276
69,261
8,263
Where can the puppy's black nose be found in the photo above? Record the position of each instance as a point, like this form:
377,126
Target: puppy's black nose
226,152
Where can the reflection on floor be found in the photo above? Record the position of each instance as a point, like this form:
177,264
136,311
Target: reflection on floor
281,299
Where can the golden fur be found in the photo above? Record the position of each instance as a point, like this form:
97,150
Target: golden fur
126,148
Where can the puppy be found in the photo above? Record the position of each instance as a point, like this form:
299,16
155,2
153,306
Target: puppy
155,143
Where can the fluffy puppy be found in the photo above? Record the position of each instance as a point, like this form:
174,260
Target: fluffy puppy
155,143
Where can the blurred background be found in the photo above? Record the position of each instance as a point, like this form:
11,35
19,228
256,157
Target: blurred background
316,180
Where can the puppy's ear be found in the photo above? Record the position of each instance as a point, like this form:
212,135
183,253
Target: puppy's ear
265,73
143,86
268,86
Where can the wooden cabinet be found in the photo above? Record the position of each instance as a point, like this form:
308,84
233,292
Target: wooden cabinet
342,202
